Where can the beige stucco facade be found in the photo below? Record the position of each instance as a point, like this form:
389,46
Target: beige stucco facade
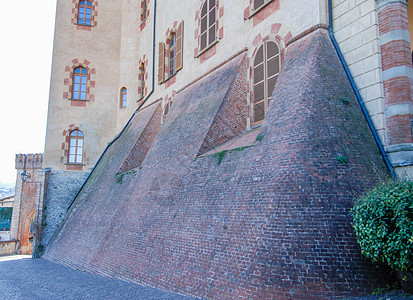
119,42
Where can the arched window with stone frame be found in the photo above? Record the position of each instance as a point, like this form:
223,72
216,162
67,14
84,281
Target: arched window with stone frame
266,67
171,55
208,30
76,144
84,16
79,87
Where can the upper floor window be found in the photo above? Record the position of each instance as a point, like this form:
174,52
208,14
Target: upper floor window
85,13
172,55
170,60
257,4
141,81
123,97
79,83
76,139
208,24
144,7
266,67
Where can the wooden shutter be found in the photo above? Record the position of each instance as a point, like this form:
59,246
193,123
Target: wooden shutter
161,69
179,46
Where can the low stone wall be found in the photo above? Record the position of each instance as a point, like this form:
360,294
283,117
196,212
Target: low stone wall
7,247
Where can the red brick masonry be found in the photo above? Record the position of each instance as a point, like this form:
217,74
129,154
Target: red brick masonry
269,222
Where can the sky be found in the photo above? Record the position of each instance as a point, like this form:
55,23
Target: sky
26,55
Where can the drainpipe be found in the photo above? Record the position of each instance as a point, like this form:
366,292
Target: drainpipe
130,119
356,91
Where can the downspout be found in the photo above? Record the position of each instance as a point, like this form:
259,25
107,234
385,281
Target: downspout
130,119
356,92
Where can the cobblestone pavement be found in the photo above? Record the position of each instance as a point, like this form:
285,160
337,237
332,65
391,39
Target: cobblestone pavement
23,278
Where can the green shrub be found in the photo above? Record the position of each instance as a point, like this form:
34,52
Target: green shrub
383,221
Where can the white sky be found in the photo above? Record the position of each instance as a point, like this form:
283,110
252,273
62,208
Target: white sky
26,37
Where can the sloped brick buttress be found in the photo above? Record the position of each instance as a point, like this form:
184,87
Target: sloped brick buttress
269,222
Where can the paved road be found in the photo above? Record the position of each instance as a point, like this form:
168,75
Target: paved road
23,278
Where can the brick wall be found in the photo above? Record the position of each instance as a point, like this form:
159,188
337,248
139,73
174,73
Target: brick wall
231,120
270,221
144,142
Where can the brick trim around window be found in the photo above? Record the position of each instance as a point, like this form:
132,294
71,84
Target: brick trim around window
144,14
75,12
265,10
210,50
68,82
164,76
142,62
65,150
277,33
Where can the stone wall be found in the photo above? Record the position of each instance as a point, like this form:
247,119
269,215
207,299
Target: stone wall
7,247
271,220
61,188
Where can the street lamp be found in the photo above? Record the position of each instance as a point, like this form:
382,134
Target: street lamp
24,175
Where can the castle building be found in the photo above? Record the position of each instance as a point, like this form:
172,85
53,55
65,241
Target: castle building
146,95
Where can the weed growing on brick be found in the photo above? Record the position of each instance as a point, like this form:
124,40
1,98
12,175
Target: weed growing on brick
342,160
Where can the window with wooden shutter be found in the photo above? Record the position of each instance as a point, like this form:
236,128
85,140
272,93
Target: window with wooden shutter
179,46
171,67
266,68
141,78
161,69
208,24
258,4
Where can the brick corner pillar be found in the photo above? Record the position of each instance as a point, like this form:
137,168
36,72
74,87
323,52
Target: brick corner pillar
396,61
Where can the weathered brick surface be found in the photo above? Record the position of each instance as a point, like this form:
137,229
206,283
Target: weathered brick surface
143,143
230,121
269,222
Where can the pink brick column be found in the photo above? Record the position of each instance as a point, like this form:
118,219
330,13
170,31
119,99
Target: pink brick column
397,80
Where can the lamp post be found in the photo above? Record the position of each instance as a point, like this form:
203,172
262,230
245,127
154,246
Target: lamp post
24,175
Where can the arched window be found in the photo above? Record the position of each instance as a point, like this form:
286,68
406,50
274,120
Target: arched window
208,24
144,5
85,13
76,138
79,83
266,69
172,55
141,79
170,59
123,97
